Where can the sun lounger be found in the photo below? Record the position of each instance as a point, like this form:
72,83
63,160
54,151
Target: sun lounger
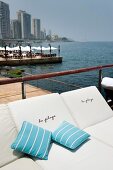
103,131
40,110
84,108
22,163
92,155
8,133
87,106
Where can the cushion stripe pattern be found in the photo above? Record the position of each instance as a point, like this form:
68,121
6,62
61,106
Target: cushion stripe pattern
33,140
69,136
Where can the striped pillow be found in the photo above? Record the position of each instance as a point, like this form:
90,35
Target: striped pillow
33,140
69,136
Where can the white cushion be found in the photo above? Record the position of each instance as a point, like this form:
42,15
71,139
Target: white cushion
8,133
87,106
103,131
92,155
107,83
40,111
22,164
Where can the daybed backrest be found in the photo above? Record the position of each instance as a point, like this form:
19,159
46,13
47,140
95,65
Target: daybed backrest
87,106
47,111
8,133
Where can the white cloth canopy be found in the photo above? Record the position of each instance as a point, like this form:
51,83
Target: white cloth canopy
43,48
2,48
9,48
27,48
38,48
52,48
16,48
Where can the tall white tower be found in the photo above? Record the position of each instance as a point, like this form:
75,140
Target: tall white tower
36,28
25,24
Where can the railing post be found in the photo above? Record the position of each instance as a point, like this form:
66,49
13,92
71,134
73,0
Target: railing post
23,90
100,79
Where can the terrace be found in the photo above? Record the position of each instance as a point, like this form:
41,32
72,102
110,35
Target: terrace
18,88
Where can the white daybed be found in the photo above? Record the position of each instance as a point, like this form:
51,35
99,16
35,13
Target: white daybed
85,108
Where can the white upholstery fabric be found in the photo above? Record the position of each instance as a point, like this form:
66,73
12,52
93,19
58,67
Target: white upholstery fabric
92,155
21,164
37,109
107,83
103,131
87,106
8,133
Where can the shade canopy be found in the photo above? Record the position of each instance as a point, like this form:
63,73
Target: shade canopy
2,48
52,48
43,48
27,48
17,48
39,48
9,48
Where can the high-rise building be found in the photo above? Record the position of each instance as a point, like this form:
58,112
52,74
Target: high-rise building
15,29
4,20
25,24
36,28
43,34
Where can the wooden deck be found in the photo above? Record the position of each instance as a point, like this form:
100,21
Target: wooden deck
12,92
26,61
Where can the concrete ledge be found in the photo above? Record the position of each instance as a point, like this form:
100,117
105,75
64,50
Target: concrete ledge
29,61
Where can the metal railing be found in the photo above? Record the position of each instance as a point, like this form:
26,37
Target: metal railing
55,74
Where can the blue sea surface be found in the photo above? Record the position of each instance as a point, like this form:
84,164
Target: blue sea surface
75,55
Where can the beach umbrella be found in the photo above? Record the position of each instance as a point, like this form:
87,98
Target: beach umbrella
9,48
5,52
20,51
59,50
36,48
27,48
52,48
33,48
6,48
17,48
39,48
2,49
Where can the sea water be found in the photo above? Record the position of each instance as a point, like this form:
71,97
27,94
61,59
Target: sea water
75,55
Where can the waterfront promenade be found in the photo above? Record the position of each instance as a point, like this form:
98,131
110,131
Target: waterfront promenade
12,92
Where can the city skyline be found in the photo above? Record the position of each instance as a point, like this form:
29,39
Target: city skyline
80,20
22,27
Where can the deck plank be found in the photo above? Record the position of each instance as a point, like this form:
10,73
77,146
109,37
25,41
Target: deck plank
12,92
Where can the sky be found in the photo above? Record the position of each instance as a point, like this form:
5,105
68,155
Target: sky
80,20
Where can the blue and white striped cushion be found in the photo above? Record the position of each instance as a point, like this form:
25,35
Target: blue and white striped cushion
69,136
33,140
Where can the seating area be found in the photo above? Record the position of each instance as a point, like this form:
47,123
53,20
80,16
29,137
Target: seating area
84,108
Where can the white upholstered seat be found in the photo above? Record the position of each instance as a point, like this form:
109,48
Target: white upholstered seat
87,106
